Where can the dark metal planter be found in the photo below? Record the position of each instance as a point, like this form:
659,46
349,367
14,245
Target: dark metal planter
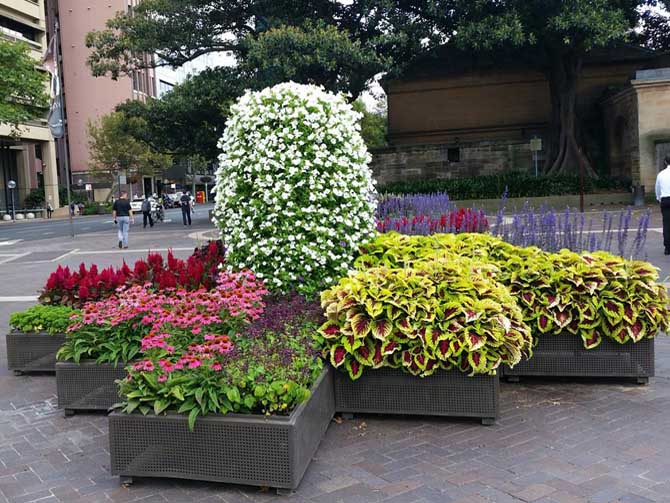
445,393
33,351
270,451
87,385
565,356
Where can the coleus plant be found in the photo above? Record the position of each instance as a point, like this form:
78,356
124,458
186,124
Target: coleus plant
592,295
438,314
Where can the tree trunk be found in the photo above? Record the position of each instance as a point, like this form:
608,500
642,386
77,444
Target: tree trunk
564,154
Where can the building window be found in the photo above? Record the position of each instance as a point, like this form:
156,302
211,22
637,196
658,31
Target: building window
136,83
454,154
164,87
17,30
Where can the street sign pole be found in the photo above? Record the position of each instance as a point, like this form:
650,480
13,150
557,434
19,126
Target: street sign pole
12,185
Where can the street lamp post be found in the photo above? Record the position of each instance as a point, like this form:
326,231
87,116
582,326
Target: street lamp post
11,185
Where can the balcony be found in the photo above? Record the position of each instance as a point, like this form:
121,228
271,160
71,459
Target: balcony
28,8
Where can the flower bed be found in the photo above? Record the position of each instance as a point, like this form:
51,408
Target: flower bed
409,337
37,335
75,288
596,298
270,451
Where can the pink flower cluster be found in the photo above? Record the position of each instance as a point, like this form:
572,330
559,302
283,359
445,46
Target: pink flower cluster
196,356
238,295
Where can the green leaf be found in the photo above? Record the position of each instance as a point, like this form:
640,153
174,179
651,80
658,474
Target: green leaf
192,417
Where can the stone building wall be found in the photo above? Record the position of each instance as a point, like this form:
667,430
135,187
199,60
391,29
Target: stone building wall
407,162
620,115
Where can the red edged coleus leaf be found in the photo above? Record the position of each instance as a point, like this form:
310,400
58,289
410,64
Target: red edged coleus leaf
354,368
646,271
477,361
628,313
405,325
433,336
472,315
360,325
443,350
621,335
392,312
475,341
544,324
528,297
574,326
613,310
420,361
407,358
374,308
591,338
450,310
637,330
562,318
390,347
330,330
364,355
350,343
377,359
456,346
381,329
337,355
552,301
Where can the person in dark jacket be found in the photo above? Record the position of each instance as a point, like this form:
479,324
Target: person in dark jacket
122,214
186,204
146,212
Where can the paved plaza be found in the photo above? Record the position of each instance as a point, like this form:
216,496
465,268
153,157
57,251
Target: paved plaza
555,441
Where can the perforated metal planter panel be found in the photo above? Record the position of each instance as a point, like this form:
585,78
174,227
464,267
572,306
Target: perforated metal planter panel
392,391
88,385
33,352
241,449
565,355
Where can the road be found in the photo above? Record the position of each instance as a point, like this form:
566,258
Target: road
32,230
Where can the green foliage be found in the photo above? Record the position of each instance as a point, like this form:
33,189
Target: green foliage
114,151
373,126
592,295
39,318
313,53
22,86
189,119
518,185
105,343
445,313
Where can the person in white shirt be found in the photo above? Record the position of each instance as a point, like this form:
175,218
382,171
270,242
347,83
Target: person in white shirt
663,197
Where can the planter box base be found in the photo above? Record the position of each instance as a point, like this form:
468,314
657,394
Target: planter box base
392,391
32,352
270,451
87,386
565,356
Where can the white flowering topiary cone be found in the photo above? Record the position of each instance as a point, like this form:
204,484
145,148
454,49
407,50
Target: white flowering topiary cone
294,193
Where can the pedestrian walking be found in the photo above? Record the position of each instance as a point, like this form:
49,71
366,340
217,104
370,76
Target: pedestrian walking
663,197
186,204
122,214
146,213
50,210
72,208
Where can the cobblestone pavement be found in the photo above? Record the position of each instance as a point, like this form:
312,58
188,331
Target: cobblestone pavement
555,442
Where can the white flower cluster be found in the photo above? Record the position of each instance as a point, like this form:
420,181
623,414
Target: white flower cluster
294,194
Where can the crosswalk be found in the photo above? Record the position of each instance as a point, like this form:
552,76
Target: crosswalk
10,242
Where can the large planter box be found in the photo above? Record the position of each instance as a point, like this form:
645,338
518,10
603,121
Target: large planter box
565,356
270,451
445,393
32,352
87,385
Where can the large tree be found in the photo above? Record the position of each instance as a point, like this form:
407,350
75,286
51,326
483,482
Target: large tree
22,85
553,36
114,152
188,120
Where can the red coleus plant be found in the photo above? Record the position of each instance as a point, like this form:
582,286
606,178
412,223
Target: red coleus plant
75,288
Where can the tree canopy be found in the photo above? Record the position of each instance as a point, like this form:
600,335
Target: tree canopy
189,119
22,85
113,151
